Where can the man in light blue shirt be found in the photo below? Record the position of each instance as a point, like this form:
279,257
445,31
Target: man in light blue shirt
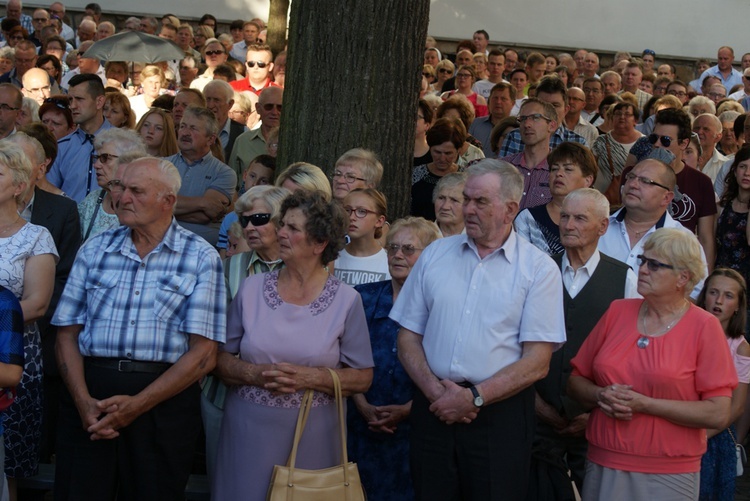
723,69
73,170
208,184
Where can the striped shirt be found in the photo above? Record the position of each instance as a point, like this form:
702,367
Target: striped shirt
144,309
513,143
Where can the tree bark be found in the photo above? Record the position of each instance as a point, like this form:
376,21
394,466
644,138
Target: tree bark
353,76
276,36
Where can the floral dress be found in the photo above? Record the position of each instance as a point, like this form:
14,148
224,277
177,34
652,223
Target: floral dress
23,418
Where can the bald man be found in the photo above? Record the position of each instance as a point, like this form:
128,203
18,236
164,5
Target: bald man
38,85
573,119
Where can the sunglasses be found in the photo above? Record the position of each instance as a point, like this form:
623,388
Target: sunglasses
260,219
104,157
445,70
665,140
251,64
270,106
214,52
653,264
649,52
406,250
62,104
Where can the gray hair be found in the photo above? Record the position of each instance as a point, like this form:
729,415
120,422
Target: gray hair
729,116
599,203
367,161
447,182
31,108
511,181
21,139
223,86
206,116
713,118
701,100
683,251
8,53
272,196
128,143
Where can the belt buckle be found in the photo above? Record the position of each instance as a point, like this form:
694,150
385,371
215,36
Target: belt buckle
126,367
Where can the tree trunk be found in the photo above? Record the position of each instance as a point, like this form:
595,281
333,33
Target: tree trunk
276,36
353,76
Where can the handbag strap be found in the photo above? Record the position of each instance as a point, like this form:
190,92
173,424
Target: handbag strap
304,413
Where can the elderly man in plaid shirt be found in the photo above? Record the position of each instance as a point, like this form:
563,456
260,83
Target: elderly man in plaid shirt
140,320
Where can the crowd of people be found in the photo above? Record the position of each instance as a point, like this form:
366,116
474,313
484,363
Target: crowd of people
564,309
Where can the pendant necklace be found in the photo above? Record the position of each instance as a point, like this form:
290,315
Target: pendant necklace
645,339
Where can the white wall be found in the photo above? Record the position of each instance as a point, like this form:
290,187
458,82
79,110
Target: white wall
683,28
225,10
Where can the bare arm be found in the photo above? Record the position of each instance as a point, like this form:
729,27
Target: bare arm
290,378
10,375
707,238
38,285
234,371
205,209
531,367
70,361
709,413
121,410
412,357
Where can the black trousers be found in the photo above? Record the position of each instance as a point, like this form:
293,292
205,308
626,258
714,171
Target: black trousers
488,459
150,460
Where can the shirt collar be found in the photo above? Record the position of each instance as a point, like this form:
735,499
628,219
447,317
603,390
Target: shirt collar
589,265
507,250
197,162
122,241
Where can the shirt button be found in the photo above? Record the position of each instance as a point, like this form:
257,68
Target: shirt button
137,293
132,322
394,350
143,265
390,371
129,355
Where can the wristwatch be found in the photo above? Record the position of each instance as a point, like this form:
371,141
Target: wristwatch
478,400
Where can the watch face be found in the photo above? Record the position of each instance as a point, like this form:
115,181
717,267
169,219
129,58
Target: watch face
478,401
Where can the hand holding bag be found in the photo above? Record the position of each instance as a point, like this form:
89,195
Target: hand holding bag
339,482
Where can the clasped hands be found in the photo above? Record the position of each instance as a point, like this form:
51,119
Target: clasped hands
103,418
455,404
619,401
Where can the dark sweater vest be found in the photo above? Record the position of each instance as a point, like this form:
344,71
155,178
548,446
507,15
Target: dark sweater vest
581,315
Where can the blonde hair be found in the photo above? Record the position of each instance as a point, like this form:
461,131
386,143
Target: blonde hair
308,177
682,249
425,231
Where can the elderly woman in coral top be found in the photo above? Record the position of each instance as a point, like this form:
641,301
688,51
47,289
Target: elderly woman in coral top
656,373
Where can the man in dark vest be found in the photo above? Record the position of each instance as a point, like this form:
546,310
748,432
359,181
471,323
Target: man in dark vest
591,281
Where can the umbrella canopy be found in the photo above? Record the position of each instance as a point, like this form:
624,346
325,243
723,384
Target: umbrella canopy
135,46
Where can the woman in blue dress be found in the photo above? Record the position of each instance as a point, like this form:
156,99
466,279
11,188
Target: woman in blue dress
378,420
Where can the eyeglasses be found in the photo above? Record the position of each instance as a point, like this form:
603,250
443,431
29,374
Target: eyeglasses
251,64
534,117
260,219
37,90
653,264
39,19
6,107
666,141
630,177
677,93
463,75
406,250
591,90
62,104
445,70
348,177
115,186
214,52
103,158
622,114
360,212
649,52
428,75
270,106
716,95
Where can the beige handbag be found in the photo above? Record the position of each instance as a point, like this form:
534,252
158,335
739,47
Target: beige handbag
331,484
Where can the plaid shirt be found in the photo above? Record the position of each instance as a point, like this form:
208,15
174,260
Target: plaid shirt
513,143
535,181
144,309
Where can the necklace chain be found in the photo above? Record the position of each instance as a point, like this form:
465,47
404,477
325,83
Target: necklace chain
671,324
9,226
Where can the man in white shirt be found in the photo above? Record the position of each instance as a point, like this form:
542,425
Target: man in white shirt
573,119
495,67
709,130
745,90
473,362
647,193
592,279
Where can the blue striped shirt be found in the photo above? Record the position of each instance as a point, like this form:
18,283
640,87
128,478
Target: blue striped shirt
144,309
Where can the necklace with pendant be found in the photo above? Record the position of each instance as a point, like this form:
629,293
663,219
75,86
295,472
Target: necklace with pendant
645,339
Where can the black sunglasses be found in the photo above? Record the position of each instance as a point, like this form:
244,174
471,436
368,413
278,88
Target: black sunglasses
260,219
251,64
653,264
60,103
214,52
665,140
